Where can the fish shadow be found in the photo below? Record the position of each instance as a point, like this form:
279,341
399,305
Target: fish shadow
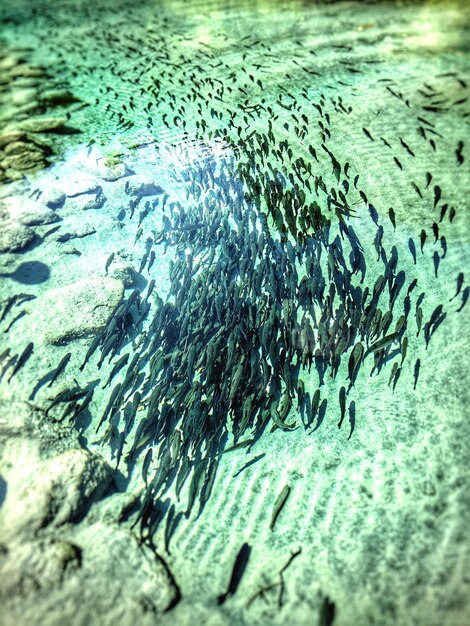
29,273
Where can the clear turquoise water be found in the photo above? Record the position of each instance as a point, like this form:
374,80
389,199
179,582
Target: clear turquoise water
378,506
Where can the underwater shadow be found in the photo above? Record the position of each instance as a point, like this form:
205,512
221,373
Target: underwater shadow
31,273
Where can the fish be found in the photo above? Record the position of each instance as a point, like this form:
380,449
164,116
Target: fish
382,343
342,404
275,416
250,463
355,360
422,239
94,345
117,368
437,194
352,417
407,147
391,215
114,396
417,189
24,356
279,505
397,162
460,279
19,298
146,464
419,319
238,570
404,349
60,368
240,445
108,262
416,372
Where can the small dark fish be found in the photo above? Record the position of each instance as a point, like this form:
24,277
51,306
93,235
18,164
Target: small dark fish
19,298
60,368
116,368
354,362
436,314
367,134
238,570
108,262
386,142
382,343
412,248
444,208
138,235
146,464
373,213
342,404
150,288
250,463
428,179
352,417
391,215
241,444
151,260
417,189
24,356
419,319
422,239
416,372
412,285
404,349
451,214
460,279
94,345
437,194
15,319
279,505
398,162
407,147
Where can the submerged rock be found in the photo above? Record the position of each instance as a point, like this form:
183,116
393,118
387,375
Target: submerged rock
26,211
37,566
15,237
53,198
95,203
11,137
77,310
43,124
82,185
101,575
52,492
28,160
142,186
76,233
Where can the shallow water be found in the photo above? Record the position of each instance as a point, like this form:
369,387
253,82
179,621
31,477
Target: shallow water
171,159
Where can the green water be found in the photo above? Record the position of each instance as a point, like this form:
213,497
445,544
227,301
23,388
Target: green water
281,120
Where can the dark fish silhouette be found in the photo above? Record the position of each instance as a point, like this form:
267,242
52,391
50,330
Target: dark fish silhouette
238,570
